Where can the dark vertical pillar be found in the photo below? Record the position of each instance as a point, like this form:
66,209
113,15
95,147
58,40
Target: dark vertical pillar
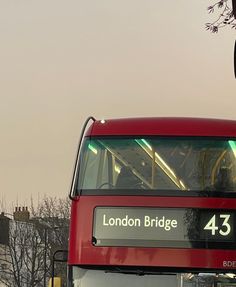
45,257
234,8
235,59
4,229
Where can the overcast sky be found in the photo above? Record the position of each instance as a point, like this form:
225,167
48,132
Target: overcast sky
61,61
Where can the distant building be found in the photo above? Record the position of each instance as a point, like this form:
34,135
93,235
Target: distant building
4,229
8,228
5,259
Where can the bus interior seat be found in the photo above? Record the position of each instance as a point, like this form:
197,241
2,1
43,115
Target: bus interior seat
224,180
126,178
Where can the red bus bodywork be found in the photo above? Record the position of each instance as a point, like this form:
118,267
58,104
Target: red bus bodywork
83,252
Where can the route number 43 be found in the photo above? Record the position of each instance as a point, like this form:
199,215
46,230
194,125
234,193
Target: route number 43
224,229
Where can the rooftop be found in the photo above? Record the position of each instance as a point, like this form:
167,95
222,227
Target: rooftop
163,126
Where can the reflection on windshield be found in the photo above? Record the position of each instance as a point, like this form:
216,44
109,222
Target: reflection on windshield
208,280
101,278
159,163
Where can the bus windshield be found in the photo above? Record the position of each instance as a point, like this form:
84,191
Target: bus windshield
158,163
109,278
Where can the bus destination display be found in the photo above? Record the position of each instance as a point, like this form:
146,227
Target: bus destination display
164,227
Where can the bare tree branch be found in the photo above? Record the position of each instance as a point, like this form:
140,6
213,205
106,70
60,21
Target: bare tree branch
225,18
27,259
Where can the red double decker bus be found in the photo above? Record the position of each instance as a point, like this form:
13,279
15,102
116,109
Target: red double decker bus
154,203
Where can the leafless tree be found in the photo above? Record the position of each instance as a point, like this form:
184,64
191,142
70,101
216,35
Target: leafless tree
226,16
22,260
53,218
26,262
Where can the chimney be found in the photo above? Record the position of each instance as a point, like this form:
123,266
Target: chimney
21,215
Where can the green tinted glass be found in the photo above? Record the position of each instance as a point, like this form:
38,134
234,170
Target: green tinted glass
158,163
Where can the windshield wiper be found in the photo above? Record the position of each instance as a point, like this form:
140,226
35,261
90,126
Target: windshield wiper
138,272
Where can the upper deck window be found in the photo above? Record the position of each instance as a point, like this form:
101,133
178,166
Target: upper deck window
158,164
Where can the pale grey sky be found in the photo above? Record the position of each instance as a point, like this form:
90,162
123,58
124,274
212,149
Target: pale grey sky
61,61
